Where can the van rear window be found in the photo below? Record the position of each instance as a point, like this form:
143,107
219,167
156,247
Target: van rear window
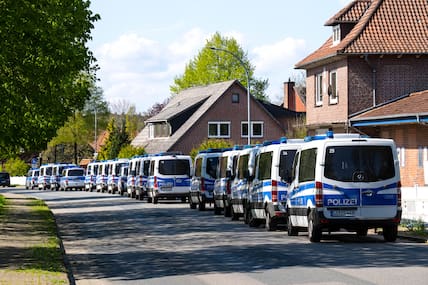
174,167
76,172
359,163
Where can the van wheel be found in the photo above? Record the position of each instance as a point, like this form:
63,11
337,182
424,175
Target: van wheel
291,231
149,199
270,224
226,211
390,233
201,205
217,210
314,230
155,200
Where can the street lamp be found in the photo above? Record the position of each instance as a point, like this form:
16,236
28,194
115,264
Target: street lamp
248,87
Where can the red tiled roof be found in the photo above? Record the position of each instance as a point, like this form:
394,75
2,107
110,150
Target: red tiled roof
350,14
385,27
415,103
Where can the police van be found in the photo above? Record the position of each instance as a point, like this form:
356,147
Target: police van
57,170
44,179
169,177
113,171
205,173
134,166
241,182
123,177
345,182
225,175
141,177
102,176
91,176
268,191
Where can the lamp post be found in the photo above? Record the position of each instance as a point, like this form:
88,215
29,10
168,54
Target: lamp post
95,122
248,88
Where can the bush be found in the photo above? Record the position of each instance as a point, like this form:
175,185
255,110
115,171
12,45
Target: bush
210,143
16,167
129,151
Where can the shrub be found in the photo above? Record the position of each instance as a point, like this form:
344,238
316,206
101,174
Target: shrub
129,151
16,167
210,143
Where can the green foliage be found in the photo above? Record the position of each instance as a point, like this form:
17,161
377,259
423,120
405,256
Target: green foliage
16,167
45,68
117,138
129,151
211,66
210,143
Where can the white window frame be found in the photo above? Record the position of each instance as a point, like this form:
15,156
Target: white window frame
252,129
318,89
219,124
401,152
336,35
333,97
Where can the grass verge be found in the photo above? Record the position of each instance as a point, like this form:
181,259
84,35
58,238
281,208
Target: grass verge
44,261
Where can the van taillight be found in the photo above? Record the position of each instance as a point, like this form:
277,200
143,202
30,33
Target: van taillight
399,194
228,187
155,183
274,191
318,194
202,185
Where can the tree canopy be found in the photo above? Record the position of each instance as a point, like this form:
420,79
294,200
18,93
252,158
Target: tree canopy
46,69
212,66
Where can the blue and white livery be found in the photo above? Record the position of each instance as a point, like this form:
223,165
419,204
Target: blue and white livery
345,182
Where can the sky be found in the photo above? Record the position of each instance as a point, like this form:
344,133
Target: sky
142,45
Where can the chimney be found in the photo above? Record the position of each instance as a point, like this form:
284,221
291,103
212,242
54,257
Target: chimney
289,95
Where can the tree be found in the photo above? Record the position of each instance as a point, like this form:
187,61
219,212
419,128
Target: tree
45,68
129,151
216,66
16,167
74,133
117,138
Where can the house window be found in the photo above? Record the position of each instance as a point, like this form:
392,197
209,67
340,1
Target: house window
219,129
159,130
422,156
332,88
256,129
336,34
318,89
235,98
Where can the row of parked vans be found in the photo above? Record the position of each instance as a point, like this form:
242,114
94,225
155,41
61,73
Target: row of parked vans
56,176
323,183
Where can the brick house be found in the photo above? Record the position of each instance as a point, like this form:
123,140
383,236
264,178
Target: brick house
371,76
217,111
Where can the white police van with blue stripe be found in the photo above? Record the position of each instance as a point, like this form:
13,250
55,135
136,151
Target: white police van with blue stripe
169,177
268,190
205,174
240,185
345,182
222,185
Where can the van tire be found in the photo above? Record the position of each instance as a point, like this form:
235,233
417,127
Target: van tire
201,205
149,199
217,210
291,231
226,211
155,200
390,233
271,225
314,230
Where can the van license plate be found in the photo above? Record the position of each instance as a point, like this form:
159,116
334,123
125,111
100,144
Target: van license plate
342,213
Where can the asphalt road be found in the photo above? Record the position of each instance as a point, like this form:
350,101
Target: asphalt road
117,240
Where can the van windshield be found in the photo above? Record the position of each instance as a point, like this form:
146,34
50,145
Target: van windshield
359,163
174,167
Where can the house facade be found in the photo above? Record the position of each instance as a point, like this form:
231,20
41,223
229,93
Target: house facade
216,111
371,77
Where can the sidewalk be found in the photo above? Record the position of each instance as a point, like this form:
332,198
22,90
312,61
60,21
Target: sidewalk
23,238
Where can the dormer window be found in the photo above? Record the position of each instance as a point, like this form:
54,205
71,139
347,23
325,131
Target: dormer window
336,34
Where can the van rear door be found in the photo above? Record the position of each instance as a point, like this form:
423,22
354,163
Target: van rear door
360,181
